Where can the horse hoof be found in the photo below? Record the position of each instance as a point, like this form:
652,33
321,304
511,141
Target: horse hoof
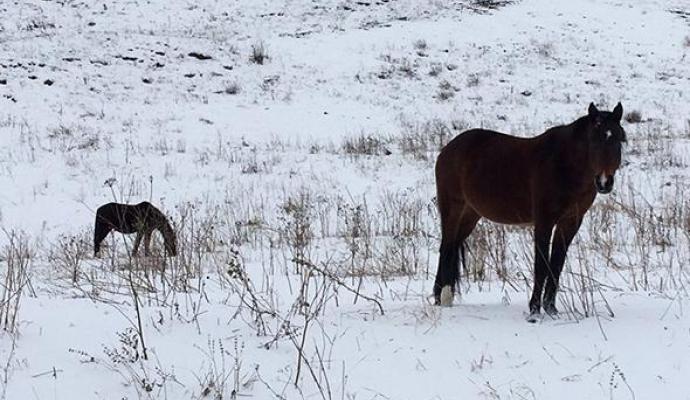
534,317
446,296
551,311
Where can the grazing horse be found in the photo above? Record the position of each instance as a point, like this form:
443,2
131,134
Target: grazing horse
545,181
142,218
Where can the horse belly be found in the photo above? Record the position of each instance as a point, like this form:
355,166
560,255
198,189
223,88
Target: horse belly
502,196
128,229
126,223
510,214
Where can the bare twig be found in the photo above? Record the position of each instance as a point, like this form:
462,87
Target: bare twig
338,281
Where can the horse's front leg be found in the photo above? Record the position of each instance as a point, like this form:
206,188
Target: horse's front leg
542,238
147,242
565,232
135,248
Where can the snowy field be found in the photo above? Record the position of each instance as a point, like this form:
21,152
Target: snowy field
292,144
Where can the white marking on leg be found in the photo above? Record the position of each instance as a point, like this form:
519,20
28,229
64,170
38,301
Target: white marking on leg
534,317
608,134
602,180
446,296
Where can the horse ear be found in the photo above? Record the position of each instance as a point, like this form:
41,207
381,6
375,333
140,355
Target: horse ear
592,111
618,112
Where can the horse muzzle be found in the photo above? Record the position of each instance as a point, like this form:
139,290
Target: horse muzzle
604,183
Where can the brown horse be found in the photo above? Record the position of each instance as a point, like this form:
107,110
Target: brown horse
142,218
545,181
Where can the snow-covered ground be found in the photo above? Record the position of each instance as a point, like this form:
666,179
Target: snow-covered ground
325,152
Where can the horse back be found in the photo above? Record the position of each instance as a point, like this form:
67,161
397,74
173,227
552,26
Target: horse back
491,172
489,153
125,218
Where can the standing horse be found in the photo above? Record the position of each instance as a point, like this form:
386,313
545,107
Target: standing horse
545,181
142,218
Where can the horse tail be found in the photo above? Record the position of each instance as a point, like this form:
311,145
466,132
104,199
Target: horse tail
102,226
463,247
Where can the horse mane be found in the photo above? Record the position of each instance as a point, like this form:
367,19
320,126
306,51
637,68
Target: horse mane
580,124
166,229
575,127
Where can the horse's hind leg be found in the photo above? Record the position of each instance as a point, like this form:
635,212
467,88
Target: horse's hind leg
456,225
100,232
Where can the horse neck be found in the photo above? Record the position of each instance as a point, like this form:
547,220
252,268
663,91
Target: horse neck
163,226
168,234
566,146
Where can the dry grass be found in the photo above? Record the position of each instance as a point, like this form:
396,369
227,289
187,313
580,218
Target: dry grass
285,254
17,258
633,117
259,54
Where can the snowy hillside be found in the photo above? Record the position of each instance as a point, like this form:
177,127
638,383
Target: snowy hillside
292,144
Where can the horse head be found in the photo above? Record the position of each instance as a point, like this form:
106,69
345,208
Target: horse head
605,138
